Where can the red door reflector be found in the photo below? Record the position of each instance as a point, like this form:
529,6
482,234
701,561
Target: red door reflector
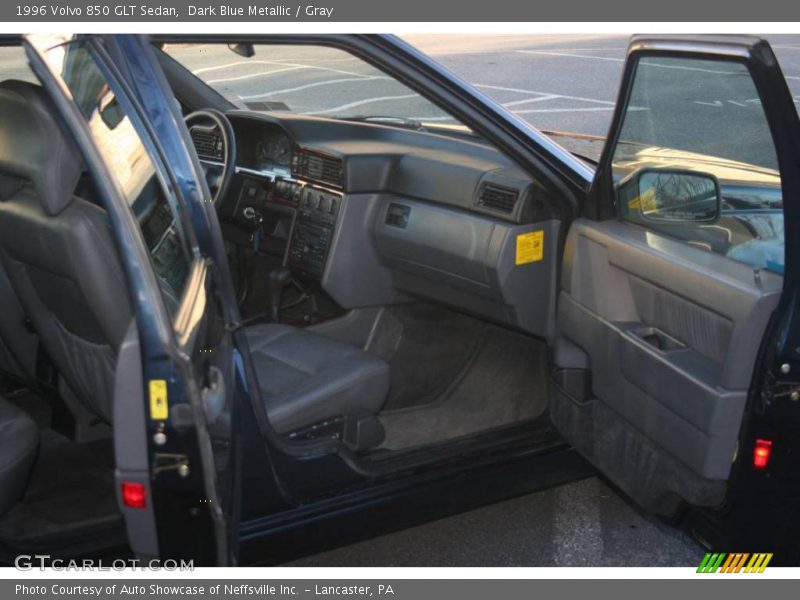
134,495
761,454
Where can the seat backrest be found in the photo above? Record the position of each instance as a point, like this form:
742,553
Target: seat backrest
18,344
58,249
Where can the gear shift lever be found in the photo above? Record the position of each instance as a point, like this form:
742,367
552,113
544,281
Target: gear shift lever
277,280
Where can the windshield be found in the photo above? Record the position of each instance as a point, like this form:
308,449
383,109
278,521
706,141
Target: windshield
310,80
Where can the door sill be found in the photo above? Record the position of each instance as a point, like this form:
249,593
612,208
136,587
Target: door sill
534,435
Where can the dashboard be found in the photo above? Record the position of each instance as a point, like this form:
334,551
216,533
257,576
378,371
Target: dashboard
375,213
291,193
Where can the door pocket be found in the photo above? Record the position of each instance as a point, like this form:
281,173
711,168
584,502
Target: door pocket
658,339
576,384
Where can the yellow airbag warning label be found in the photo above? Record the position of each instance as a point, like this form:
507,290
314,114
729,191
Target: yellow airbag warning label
159,407
530,247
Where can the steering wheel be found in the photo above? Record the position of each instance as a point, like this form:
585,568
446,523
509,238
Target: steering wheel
218,175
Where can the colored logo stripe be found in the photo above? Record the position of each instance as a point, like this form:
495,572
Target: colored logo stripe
734,563
711,563
758,563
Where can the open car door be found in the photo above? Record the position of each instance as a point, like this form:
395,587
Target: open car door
178,375
676,355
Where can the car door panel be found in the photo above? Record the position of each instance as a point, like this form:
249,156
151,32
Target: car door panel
662,316
625,291
130,445
176,391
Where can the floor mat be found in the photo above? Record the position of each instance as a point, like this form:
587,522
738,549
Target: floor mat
491,377
427,348
70,496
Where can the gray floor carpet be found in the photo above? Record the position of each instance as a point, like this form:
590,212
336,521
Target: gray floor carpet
70,497
454,375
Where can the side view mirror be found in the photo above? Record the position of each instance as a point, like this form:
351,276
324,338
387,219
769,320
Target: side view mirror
672,196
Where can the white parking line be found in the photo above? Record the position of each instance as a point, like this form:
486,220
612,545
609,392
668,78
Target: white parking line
254,75
569,110
349,105
529,100
317,59
542,96
232,64
313,85
278,64
599,49
622,60
539,93
565,54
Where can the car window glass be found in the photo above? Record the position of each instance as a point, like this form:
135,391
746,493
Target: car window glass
695,159
14,64
125,154
310,80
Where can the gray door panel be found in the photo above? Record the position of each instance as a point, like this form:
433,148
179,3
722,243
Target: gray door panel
130,444
669,334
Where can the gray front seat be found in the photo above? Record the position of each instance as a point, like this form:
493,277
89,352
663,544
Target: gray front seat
306,378
60,256
58,249
19,440
18,344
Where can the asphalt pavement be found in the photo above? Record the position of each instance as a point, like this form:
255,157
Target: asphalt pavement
583,524
559,82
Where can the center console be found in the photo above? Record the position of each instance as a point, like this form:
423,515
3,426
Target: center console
313,230
284,201
297,218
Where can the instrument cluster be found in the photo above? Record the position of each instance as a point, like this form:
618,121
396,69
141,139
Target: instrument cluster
273,149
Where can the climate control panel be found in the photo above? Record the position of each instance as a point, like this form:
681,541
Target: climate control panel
313,230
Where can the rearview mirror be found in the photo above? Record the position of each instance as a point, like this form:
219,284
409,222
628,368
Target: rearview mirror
109,109
243,49
667,196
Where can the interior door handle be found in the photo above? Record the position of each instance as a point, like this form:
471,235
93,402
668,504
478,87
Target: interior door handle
658,339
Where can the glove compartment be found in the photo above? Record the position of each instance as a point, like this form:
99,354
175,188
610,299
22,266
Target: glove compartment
496,269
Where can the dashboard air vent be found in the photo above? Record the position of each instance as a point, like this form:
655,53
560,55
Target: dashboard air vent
498,197
207,143
318,167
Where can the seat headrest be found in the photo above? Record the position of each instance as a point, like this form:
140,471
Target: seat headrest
35,147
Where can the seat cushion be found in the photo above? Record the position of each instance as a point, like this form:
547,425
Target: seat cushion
19,440
306,378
